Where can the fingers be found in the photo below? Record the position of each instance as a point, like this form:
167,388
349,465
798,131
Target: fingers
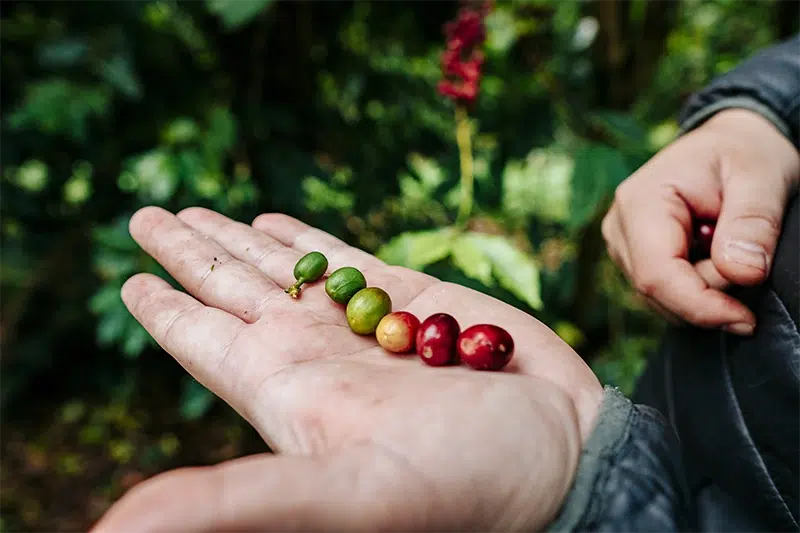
198,337
201,265
657,238
267,254
403,284
304,238
353,491
710,275
748,228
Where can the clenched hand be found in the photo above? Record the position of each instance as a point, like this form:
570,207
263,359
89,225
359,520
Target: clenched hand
736,169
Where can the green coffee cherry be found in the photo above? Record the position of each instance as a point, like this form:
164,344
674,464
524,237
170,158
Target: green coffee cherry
343,283
366,309
309,268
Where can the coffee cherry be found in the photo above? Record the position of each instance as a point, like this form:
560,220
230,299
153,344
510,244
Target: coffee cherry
366,309
485,347
343,283
397,332
309,268
436,340
703,237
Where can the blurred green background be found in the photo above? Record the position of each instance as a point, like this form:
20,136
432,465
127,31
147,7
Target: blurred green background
327,111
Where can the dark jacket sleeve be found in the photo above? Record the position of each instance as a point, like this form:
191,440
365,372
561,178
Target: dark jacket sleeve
767,83
630,476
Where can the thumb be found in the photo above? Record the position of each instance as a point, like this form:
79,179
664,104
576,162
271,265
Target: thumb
346,491
748,228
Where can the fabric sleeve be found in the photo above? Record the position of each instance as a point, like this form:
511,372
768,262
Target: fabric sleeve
630,476
767,83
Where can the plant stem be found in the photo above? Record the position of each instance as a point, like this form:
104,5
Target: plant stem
464,139
294,290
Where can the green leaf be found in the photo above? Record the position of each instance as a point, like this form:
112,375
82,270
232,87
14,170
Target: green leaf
135,341
418,249
66,52
221,134
428,171
118,72
663,134
73,412
411,188
501,30
539,185
156,175
32,176
625,129
321,196
235,13
112,264
196,400
621,364
516,271
59,106
598,171
569,333
470,259
77,189
105,299
116,236
181,130
111,326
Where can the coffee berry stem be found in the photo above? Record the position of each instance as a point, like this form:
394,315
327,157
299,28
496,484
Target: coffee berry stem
294,290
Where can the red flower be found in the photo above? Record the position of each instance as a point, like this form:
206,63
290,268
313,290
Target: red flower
461,60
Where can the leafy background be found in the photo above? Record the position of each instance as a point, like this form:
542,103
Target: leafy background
326,111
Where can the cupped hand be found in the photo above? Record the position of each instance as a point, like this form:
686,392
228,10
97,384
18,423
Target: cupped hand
364,440
737,169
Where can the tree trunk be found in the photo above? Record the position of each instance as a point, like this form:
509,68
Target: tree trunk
627,54
659,18
611,53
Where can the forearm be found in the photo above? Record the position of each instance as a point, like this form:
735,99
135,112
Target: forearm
767,83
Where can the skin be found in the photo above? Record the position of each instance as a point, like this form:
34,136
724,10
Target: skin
364,440
736,168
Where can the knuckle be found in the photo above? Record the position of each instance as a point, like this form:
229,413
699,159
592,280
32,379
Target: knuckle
695,315
189,212
269,219
767,223
624,192
171,327
261,254
647,284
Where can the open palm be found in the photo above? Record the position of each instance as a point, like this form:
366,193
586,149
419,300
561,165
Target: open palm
365,440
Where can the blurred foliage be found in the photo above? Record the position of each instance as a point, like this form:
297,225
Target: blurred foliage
328,111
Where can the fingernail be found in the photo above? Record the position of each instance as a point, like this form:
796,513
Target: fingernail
746,253
739,328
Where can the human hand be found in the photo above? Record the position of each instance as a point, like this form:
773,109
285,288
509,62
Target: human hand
364,440
736,169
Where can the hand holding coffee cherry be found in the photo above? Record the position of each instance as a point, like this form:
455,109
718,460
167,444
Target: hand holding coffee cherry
702,215
365,438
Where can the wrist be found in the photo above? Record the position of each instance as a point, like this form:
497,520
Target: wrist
630,475
740,118
754,130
